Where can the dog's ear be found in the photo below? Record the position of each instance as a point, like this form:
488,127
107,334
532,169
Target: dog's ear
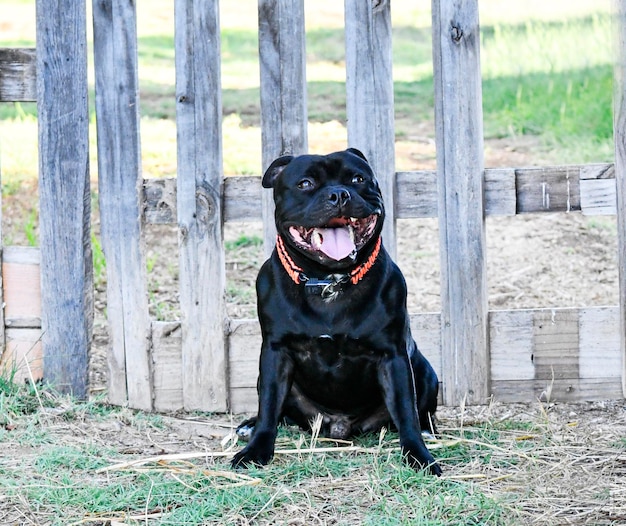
358,153
269,178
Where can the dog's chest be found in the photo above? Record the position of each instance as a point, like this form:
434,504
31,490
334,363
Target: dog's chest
332,351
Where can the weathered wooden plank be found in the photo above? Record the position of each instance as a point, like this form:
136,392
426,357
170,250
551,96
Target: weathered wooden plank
533,353
18,75
511,345
555,354
458,121
23,356
416,193
559,390
244,400
549,190
556,344
246,194
167,366
597,189
599,354
500,192
426,330
199,204
543,344
22,286
64,195
245,348
369,100
619,128
282,60
119,177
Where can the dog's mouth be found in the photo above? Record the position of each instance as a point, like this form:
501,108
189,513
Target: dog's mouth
341,238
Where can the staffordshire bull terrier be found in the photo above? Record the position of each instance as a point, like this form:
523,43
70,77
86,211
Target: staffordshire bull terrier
332,308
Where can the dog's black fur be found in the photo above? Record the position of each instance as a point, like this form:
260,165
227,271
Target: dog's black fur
332,347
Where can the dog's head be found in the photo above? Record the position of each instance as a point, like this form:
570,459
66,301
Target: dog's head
328,207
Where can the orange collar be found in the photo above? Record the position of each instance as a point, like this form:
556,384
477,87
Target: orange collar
298,276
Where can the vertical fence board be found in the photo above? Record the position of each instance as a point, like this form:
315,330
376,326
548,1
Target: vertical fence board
199,190
620,169
458,120
283,90
119,174
369,104
64,213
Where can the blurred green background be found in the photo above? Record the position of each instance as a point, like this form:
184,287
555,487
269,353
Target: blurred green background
546,66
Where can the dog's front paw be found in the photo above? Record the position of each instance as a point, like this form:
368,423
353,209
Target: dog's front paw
258,452
418,457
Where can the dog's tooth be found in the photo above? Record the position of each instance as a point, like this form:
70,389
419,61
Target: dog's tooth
316,239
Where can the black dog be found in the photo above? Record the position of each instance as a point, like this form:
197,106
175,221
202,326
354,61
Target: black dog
332,307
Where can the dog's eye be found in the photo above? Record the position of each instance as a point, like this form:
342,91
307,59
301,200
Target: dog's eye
357,179
305,184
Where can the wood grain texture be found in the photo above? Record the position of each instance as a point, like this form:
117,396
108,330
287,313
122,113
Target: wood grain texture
64,193
167,366
557,193
22,286
619,128
511,345
598,189
199,204
23,356
282,61
558,390
553,354
369,97
556,344
458,121
18,75
417,194
599,339
120,199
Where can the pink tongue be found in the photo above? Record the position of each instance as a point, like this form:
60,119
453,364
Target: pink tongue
336,243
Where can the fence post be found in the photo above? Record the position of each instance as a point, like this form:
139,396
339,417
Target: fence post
369,87
119,184
620,168
458,121
199,191
66,263
283,90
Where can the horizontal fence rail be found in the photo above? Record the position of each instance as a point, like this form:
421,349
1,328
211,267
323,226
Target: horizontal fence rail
589,189
568,355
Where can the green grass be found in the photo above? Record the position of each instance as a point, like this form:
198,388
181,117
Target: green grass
65,482
59,458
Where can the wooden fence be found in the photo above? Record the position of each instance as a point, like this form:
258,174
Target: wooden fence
206,361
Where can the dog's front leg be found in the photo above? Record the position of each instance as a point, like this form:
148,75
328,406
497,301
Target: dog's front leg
398,387
275,378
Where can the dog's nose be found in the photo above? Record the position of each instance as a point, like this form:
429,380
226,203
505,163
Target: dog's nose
338,196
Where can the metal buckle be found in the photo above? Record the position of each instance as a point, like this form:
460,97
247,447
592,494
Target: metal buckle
320,287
